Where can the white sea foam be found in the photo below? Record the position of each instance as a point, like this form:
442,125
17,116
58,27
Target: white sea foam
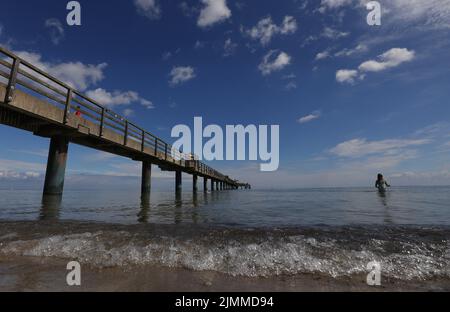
245,256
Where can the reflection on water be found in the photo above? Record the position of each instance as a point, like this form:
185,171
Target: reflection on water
384,198
145,209
194,208
178,215
50,207
245,208
193,205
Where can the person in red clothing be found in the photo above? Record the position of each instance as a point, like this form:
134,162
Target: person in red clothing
78,112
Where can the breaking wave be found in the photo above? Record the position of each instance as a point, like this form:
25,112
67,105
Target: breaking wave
406,253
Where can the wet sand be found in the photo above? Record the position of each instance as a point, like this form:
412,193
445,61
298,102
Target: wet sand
113,257
49,274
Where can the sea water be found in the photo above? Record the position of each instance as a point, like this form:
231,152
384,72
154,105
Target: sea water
251,233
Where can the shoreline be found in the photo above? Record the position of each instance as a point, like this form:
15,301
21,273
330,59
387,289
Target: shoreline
113,257
47,274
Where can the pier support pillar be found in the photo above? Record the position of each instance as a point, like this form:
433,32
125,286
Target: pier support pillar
194,183
217,185
212,184
178,181
205,184
146,181
56,165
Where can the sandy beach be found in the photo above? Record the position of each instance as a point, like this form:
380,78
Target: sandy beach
49,274
113,257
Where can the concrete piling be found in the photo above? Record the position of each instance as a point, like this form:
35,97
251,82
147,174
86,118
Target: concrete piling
56,165
146,179
178,181
194,183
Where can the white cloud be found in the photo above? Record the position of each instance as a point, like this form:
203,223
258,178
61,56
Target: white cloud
19,175
146,103
392,58
346,75
361,147
148,8
322,55
56,30
128,112
81,76
291,85
360,48
273,62
229,47
187,10
333,4
331,33
381,161
214,11
166,55
76,74
431,178
308,118
99,156
289,76
435,130
422,13
115,98
181,74
199,44
327,33
39,153
111,99
289,25
8,167
265,29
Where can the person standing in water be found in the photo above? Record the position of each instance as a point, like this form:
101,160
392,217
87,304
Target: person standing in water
381,184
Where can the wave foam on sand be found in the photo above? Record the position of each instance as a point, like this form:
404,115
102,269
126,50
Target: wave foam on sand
404,253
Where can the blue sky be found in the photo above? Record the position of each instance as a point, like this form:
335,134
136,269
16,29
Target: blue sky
351,100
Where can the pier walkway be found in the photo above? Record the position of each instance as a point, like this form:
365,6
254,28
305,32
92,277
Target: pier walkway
35,101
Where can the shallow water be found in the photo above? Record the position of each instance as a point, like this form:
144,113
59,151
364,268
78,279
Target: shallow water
330,232
246,208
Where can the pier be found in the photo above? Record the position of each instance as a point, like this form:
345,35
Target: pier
34,101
